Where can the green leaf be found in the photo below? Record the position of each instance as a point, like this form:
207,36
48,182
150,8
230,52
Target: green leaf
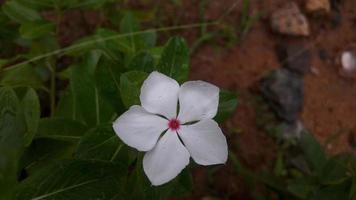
86,4
336,169
142,62
107,76
22,76
38,4
156,53
37,29
3,62
20,13
66,107
144,190
110,42
129,24
174,61
11,141
313,152
31,109
130,87
100,143
137,41
227,105
44,150
74,180
352,194
63,129
91,106
300,188
333,192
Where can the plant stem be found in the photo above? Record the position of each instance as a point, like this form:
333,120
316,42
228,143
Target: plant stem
52,66
52,91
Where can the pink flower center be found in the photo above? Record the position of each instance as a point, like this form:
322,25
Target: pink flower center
174,124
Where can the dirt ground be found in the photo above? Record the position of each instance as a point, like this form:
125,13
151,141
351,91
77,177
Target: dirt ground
330,107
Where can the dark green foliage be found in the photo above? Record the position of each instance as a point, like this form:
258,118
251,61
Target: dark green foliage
56,135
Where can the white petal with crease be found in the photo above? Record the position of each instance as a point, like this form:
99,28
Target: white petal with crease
205,142
166,160
197,100
159,95
139,129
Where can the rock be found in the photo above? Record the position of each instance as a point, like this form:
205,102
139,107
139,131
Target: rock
348,63
292,130
284,90
295,57
313,6
290,21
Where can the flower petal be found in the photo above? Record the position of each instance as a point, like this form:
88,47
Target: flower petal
197,100
205,142
139,129
166,160
159,95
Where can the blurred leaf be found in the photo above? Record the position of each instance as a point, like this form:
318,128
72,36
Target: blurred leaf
334,192
108,41
36,29
66,107
300,188
107,76
31,109
130,87
129,24
74,180
11,141
40,46
142,62
184,183
100,143
352,195
175,59
62,129
44,150
114,46
39,4
20,13
137,41
335,170
156,53
94,4
92,107
144,190
22,76
148,40
227,105
3,62
313,152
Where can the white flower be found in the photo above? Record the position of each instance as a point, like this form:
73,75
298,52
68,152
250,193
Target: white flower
168,138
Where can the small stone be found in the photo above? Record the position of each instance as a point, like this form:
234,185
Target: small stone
290,21
348,63
296,57
318,6
284,91
314,71
292,130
